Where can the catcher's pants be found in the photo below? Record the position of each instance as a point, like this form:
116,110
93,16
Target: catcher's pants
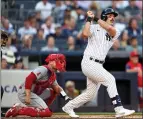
96,75
36,101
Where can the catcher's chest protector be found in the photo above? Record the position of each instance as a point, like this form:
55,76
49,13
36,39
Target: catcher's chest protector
42,85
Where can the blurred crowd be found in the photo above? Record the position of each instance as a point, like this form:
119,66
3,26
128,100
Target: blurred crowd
56,26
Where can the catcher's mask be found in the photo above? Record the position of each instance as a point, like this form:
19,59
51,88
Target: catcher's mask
106,12
60,61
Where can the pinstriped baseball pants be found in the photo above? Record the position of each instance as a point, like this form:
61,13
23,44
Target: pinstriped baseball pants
96,75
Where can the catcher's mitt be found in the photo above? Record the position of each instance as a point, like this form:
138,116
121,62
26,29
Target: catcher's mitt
4,38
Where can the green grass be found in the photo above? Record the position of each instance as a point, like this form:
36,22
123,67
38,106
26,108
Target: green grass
96,113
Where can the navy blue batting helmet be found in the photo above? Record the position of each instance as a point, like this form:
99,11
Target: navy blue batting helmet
106,12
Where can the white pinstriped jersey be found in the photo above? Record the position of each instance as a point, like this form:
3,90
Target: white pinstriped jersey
99,42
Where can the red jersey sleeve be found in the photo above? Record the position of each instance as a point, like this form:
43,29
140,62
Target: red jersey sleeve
30,80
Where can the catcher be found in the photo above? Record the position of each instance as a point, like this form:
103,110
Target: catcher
40,89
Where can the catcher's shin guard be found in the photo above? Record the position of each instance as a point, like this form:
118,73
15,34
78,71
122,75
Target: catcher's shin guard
28,111
45,113
13,111
33,112
51,99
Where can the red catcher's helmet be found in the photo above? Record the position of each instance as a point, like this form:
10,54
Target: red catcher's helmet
59,59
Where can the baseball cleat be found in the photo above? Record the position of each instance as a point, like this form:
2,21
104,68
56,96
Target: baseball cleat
12,111
71,113
124,112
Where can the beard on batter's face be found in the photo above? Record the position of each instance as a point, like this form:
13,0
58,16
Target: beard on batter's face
110,19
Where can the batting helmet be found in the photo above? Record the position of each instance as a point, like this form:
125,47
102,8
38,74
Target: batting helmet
106,12
59,59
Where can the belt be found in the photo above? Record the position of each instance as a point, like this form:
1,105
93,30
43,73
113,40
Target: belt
96,60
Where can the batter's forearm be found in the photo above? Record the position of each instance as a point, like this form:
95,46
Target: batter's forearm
86,30
110,29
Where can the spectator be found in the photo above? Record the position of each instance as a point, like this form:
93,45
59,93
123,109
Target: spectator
70,89
58,33
70,10
58,12
122,4
38,18
84,4
134,45
4,64
27,42
71,28
81,17
2,18
66,23
19,64
134,66
81,42
26,29
139,4
14,39
103,3
116,46
68,3
45,7
120,24
49,26
33,21
133,28
132,10
50,45
71,44
114,5
40,35
94,7
9,47
6,26
67,13
119,6
10,58
124,40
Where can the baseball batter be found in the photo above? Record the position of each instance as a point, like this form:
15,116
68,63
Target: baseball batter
40,89
101,37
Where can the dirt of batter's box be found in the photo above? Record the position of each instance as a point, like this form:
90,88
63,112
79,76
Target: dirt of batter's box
81,117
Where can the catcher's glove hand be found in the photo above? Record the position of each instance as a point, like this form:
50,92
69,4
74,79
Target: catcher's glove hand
4,38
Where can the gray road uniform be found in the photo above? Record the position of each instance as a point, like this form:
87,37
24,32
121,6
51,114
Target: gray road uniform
40,88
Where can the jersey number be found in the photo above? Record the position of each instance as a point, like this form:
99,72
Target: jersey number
108,38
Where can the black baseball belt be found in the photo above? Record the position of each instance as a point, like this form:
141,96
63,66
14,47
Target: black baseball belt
96,60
